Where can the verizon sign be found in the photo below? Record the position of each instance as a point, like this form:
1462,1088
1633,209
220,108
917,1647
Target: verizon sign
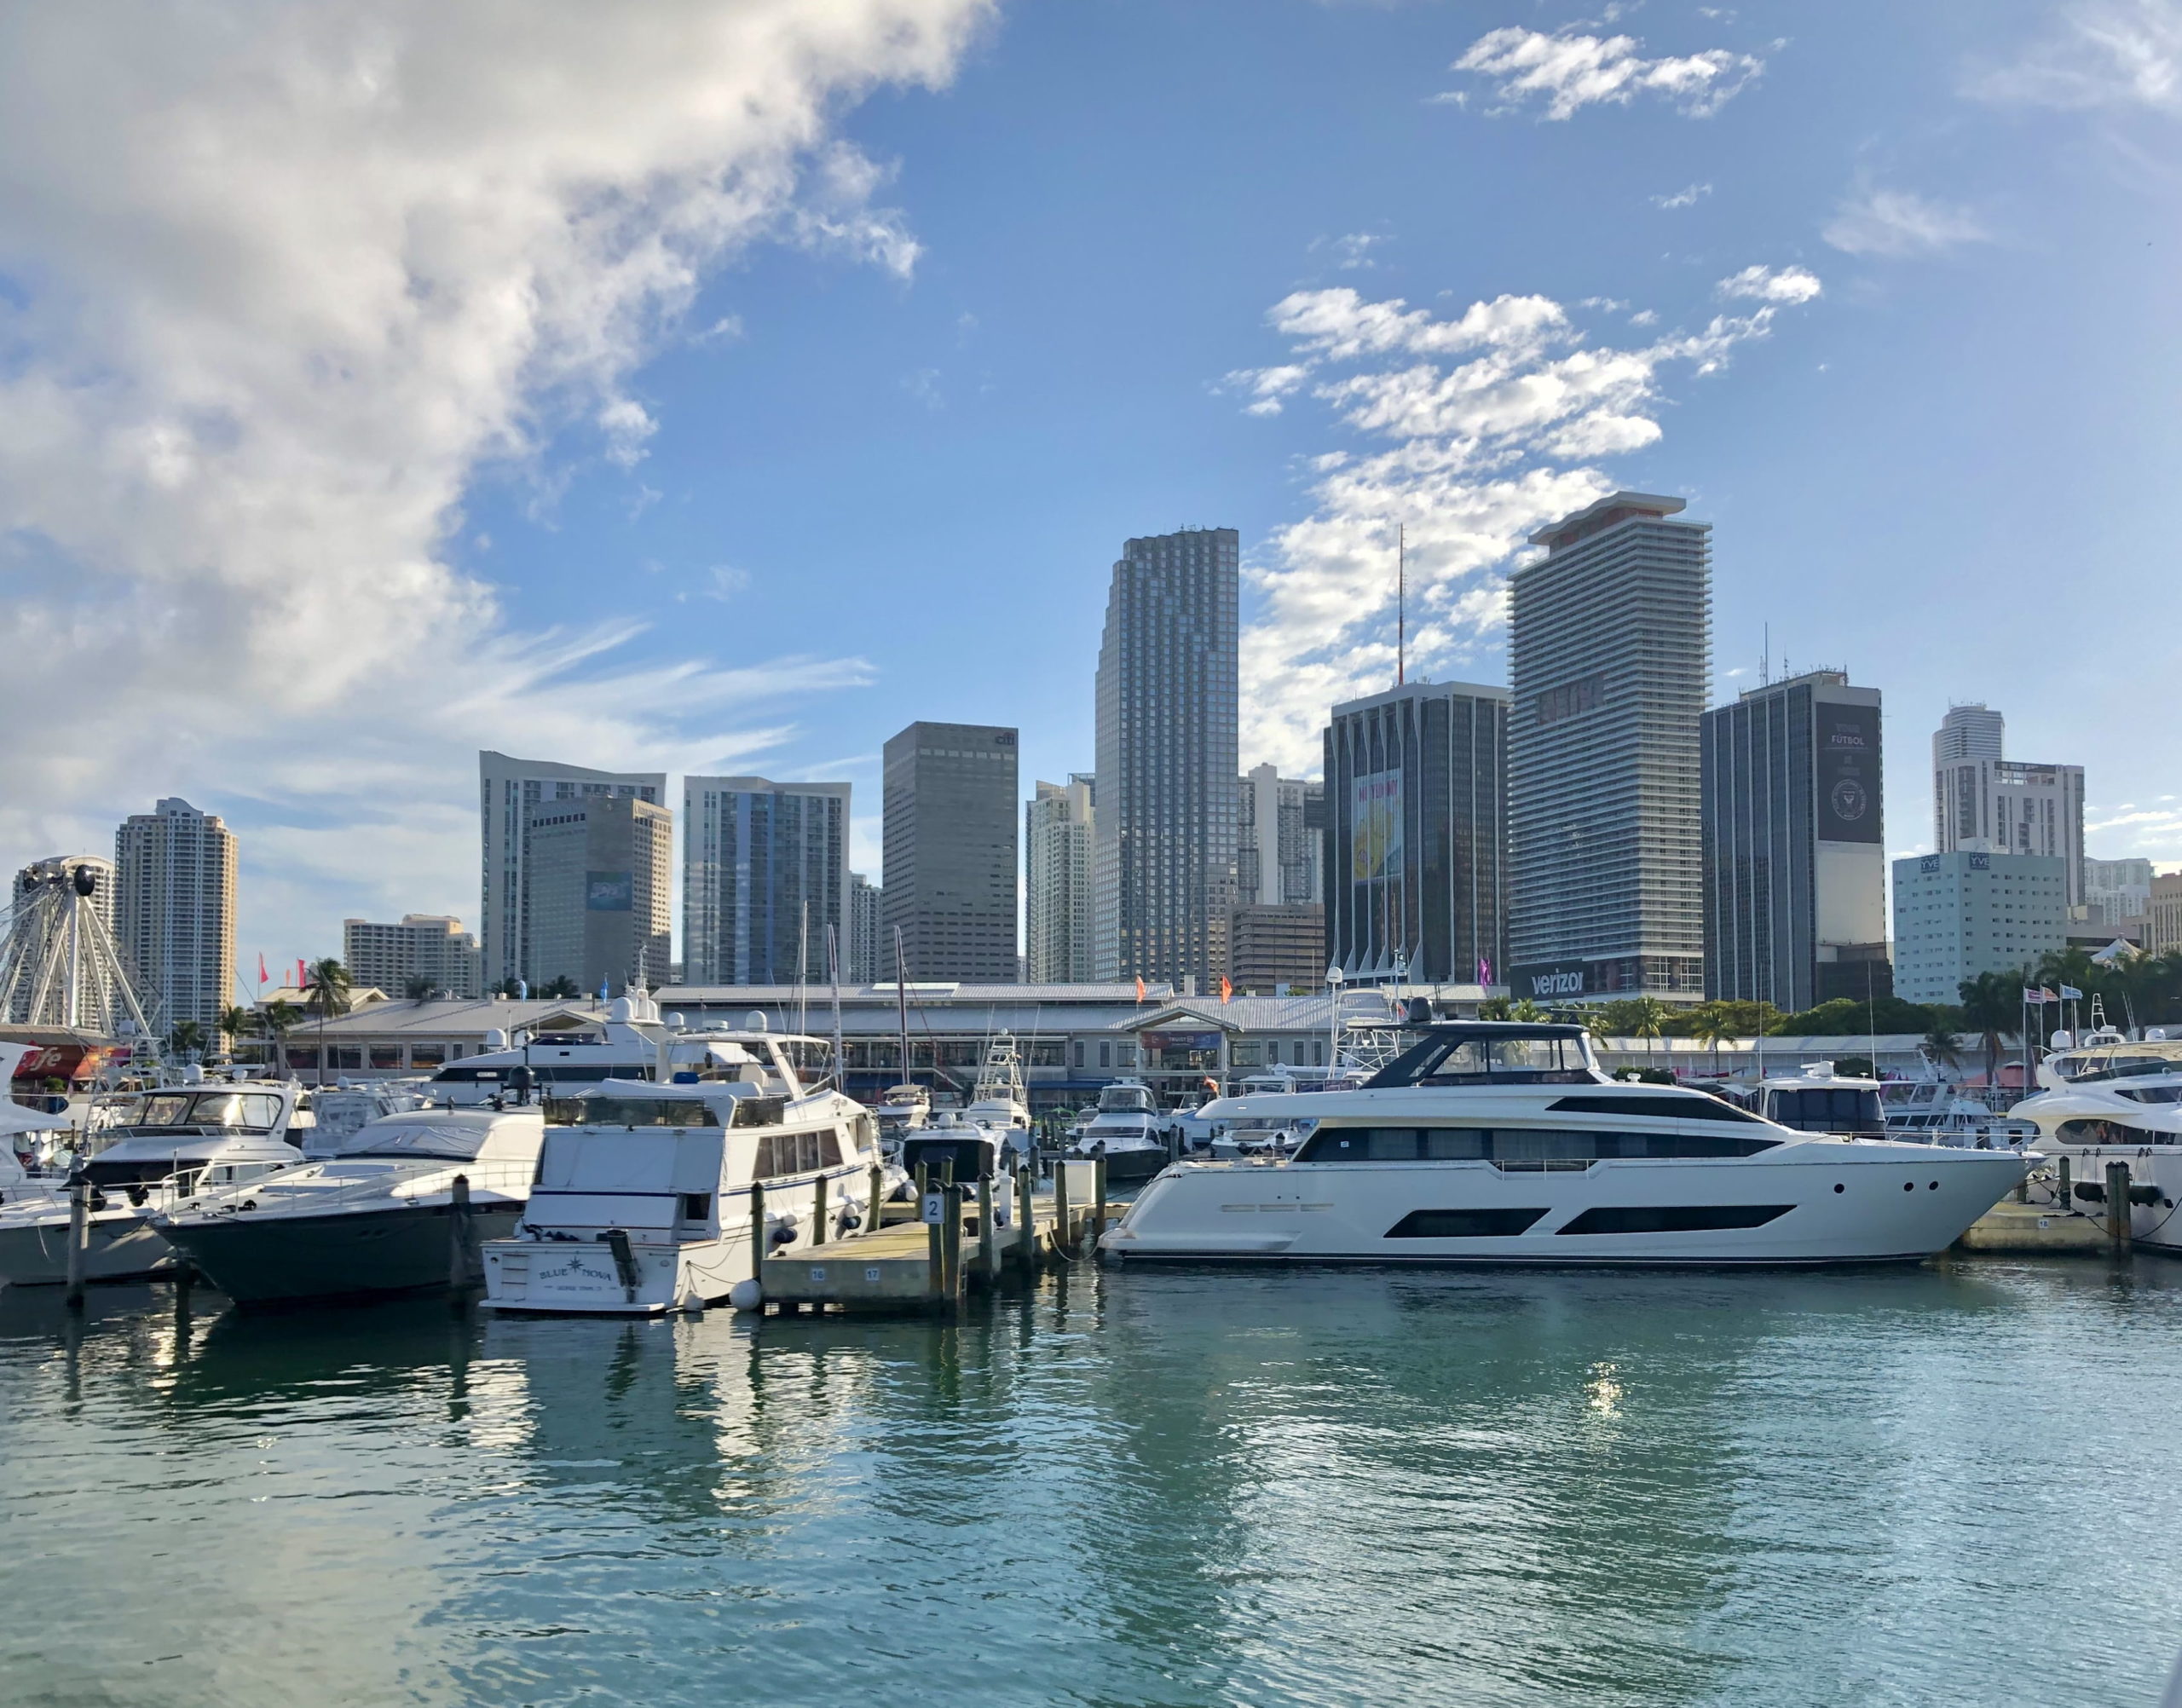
1551,981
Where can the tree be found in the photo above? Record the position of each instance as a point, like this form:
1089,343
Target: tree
560,989
1527,1010
1648,1018
1852,1017
419,989
1493,1008
1939,1045
234,1021
275,1020
329,987
1713,1023
187,1039
1992,1006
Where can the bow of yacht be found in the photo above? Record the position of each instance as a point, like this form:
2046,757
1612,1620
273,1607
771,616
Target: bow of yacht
2107,1099
1503,1143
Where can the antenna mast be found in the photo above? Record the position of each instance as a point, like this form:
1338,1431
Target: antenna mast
1401,604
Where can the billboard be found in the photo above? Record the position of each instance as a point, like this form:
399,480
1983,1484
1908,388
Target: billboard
1848,772
1374,826
609,892
1551,981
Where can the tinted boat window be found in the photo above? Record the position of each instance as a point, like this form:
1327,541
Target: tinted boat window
1681,1105
1519,1147
1673,1217
1463,1224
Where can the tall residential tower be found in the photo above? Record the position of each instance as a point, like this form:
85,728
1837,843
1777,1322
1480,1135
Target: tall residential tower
950,843
174,911
1057,834
764,873
1982,801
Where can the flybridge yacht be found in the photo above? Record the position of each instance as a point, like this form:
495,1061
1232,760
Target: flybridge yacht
643,1202
557,1060
998,1100
1504,1144
1818,1100
2108,1099
369,1213
168,1143
1127,1131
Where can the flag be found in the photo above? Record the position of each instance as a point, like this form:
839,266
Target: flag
2070,993
2033,996
302,974
2046,995
1140,987
1227,990
1484,969
602,990
261,966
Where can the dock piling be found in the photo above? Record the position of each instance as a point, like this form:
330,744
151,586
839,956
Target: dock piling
988,1239
820,1232
79,1231
1026,1231
1098,1201
875,1197
758,1253
1060,1207
935,1240
2068,1192
2117,1207
457,1236
951,1245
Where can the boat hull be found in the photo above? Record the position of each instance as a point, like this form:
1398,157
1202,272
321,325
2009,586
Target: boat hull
1896,1205
584,1277
121,1246
396,1249
2156,1168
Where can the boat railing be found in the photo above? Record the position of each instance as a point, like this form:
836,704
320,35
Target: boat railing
503,1179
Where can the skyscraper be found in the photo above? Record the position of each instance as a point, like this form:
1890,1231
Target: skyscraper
1982,801
1056,836
431,947
174,911
508,789
1415,844
763,864
1164,872
2116,892
949,841
1795,858
869,963
596,872
1279,825
1608,650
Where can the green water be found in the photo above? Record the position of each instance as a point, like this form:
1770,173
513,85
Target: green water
1945,1486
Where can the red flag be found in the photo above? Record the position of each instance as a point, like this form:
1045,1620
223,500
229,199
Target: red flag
302,977
1227,990
1139,988
261,966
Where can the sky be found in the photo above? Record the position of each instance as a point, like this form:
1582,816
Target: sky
720,387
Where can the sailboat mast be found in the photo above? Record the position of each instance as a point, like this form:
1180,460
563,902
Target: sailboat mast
902,1000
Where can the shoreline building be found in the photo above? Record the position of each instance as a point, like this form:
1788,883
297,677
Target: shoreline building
1981,799
1609,645
1417,835
1057,903
866,957
1167,692
174,912
1279,839
1795,856
949,852
764,873
1973,910
2117,894
431,947
597,887
508,789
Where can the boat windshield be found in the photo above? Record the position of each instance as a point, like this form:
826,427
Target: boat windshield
246,1112
629,1111
1485,1057
1129,1099
456,1141
1827,1109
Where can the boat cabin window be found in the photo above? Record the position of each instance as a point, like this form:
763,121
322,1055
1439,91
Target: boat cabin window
247,1112
1516,1147
1691,1105
2110,1133
2150,1093
696,1206
1481,1057
783,1154
1827,1109
629,1111
2122,1067
958,1158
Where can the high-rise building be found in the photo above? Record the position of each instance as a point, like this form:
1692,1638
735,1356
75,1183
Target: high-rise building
2116,892
430,948
1609,649
950,843
174,911
1056,836
1970,911
1164,875
597,872
1417,837
1279,824
1981,800
2164,912
509,789
869,963
765,872
1795,858
1277,949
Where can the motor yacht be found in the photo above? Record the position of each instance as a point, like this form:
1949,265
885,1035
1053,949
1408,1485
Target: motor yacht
171,1142
2107,1098
1935,1109
22,1130
371,1211
998,1100
1816,1099
902,1110
1127,1131
643,1197
1503,1143
622,1046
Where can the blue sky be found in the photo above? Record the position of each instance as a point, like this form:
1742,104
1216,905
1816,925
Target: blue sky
841,424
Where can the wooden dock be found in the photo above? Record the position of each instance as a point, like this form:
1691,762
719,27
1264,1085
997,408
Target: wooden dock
2009,1227
955,1240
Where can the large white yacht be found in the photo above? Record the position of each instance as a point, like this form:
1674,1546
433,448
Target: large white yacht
1127,1131
643,1202
998,1101
173,1141
622,1046
2106,1098
1488,1143
371,1211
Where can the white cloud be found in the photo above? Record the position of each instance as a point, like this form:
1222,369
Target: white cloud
1568,72
1896,222
1351,253
1772,284
1688,196
1265,386
1469,456
2107,53
288,278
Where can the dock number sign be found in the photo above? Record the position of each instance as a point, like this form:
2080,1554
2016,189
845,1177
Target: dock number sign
935,1206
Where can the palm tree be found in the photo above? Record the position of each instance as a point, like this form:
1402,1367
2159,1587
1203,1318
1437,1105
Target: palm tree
275,1020
1527,1010
560,989
1939,1046
187,1039
1713,1023
1648,1018
419,989
1493,1008
1992,1004
234,1020
327,982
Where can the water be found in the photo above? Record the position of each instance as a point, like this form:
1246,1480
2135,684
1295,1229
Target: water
1952,1486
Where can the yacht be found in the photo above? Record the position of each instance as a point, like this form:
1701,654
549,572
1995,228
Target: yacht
1818,1100
902,1110
171,1142
643,1202
2106,1098
371,1211
1934,1109
338,1112
622,1046
22,1130
1126,1131
1486,1143
998,1101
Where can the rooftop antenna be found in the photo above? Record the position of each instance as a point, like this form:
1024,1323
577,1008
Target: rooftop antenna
1765,659
1401,604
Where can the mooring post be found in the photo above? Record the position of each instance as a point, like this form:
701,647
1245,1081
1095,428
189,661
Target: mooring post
80,1231
923,1184
2117,1207
1099,1202
818,1228
457,1236
951,1247
1060,1207
2068,1194
757,1233
988,1237
872,1213
935,1241
1026,1231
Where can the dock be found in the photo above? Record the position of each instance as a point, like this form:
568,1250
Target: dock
930,1255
